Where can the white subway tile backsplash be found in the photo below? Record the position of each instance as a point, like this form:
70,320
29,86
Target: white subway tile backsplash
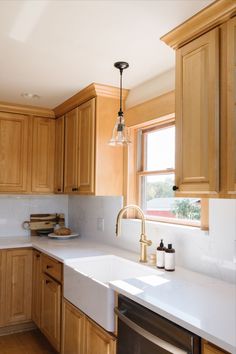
16,209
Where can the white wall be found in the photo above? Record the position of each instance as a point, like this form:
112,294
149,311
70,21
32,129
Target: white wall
213,254
152,88
16,209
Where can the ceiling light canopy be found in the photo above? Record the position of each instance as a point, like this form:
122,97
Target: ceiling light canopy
120,134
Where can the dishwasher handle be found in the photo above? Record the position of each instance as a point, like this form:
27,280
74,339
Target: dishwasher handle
147,335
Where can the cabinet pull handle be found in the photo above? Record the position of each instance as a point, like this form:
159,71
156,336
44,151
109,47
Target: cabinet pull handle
59,189
175,188
75,189
37,255
49,267
48,281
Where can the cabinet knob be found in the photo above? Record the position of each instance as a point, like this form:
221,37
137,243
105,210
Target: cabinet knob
74,189
37,255
59,189
48,281
175,188
49,266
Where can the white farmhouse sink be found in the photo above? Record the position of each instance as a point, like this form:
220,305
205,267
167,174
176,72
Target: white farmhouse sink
86,284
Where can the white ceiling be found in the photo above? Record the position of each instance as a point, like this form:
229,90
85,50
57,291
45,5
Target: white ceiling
54,48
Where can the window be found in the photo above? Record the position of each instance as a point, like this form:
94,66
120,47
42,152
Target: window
155,174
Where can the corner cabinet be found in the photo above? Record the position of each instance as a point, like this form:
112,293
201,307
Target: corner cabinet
205,102
79,149
43,155
197,115
91,166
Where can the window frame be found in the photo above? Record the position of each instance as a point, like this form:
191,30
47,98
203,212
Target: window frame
134,171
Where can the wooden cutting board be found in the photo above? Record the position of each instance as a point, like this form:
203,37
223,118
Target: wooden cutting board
43,223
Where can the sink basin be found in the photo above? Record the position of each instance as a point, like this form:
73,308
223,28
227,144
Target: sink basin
86,284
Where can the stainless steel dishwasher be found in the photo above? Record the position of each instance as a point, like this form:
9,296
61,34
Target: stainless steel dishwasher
141,331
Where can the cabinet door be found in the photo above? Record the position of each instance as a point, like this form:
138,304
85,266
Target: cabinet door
72,330
2,287
14,152
51,310
59,155
231,106
18,286
43,155
97,340
208,348
86,147
71,151
36,293
197,115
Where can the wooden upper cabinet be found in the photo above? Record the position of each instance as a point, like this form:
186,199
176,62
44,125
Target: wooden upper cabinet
86,140
197,115
14,152
18,280
43,155
59,155
231,106
71,152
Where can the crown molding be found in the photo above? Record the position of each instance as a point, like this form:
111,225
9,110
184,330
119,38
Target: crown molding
25,109
208,18
91,91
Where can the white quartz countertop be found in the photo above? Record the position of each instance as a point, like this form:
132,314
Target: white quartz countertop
206,306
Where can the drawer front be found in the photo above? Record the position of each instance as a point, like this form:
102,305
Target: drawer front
52,267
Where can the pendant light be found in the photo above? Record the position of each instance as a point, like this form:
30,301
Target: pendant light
120,134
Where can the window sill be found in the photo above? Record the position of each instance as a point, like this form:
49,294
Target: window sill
172,221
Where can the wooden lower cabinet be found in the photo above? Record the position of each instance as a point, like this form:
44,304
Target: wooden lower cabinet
97,340
51,310
208,348
80,335
37,288
72,330
18,286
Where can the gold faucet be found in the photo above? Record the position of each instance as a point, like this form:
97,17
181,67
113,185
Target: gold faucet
143,240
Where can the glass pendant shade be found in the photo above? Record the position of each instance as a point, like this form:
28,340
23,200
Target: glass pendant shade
120,134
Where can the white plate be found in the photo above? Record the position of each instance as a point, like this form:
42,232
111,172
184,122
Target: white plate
64,237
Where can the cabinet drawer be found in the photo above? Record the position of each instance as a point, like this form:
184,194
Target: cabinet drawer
52,267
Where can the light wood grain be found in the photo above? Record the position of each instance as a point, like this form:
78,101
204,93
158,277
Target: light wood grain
86,94
51,311
52,267
26,109
109,160
14,152
43,155
158,107
231,106
72,329
37,288
197,116
59,155
97,340
71,151
86,138
205,20
18,285
208,348
30,342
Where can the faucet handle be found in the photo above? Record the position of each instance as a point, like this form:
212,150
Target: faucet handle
145,242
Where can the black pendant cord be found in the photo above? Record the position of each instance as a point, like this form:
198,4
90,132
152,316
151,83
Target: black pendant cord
121,112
